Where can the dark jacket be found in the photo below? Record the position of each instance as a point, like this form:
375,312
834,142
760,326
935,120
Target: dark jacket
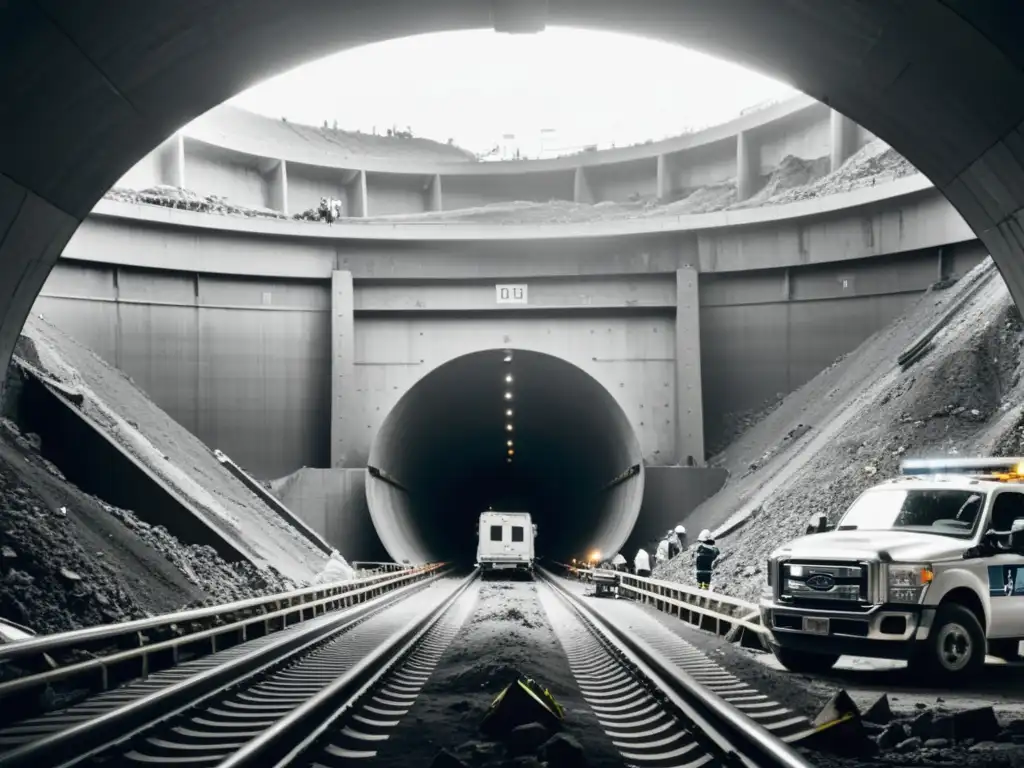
707,553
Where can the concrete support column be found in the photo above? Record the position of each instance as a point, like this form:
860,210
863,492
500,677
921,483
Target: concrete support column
664,177
581,191
689,392
344,426
359,200
747,162
434,201
844,138
172,161
278,183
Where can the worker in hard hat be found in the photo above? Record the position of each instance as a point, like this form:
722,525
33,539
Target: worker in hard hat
619,562
676,541
642,563
704,558
661,553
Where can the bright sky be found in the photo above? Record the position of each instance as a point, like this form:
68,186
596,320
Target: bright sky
476,87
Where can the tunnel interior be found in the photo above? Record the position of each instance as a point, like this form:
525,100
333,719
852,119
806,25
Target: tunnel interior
442,457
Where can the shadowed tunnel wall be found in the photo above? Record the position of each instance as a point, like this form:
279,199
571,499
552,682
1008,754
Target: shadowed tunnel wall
441,458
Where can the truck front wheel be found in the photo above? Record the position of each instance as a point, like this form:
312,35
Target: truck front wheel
803,662
955,647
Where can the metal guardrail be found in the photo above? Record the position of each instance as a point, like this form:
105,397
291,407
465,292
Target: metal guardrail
208,629
706,610
741,740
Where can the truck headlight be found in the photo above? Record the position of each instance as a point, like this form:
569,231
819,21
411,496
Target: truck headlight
907,582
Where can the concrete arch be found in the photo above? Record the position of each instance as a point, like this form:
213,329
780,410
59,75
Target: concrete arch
440,458
941,80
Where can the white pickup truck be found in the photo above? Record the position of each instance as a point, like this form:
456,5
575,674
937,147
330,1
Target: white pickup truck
928,567
505,542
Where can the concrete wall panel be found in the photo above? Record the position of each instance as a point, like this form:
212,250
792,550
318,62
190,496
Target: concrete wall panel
395,194
625,181
806,135
253,380
633,358
473,191
752,352
307,184
237,182
706,165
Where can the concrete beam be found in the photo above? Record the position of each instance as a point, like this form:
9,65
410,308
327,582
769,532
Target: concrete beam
434,199
172,161
664,177
358,198
747,162
344,429
843,138
689,392
277,182
581,191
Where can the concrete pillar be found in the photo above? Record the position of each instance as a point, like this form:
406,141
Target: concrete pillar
358,199
664,178
689,392
747,165
345,429
434,200
581,191
787,285
172,161
278,183
844,138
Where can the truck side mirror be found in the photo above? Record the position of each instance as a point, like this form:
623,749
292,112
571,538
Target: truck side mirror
817,524
1017,535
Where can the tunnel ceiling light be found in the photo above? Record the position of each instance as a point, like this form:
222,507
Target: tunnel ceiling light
508,378
508,395
509,459
508,412
508,427
509,443
508,358
511,452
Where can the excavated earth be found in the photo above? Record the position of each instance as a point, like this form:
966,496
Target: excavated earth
506,634
69,559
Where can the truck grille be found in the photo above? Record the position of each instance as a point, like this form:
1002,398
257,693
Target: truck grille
838,585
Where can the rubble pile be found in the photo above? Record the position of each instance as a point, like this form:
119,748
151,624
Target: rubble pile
963,397
187,200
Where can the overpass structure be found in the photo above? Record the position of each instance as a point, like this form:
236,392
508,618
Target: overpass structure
382,342
108,87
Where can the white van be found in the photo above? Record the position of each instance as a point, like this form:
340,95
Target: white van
505,542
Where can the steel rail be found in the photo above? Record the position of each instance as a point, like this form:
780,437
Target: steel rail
103,664
733,733
79,742
281,744
79,637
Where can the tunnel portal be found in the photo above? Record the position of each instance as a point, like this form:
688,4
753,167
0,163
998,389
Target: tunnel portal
506,429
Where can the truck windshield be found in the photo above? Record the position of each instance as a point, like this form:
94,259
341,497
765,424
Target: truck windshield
941,511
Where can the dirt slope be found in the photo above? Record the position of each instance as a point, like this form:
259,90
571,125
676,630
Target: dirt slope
852,424
173,453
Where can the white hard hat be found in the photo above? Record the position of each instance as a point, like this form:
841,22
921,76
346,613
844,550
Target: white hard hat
704,535
680,529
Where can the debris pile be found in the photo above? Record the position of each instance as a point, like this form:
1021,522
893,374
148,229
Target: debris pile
852,425
187,200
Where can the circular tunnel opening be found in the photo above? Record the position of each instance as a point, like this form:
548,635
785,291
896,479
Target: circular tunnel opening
509,430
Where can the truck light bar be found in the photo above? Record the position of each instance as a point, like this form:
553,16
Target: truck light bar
1009,468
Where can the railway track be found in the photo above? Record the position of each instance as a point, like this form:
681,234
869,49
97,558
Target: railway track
330,692
151,720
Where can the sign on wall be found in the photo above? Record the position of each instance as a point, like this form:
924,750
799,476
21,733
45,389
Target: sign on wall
510,294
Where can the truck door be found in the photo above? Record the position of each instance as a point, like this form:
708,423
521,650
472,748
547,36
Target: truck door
1006,571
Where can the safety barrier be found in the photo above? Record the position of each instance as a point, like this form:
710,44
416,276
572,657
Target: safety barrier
704,609
138,648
